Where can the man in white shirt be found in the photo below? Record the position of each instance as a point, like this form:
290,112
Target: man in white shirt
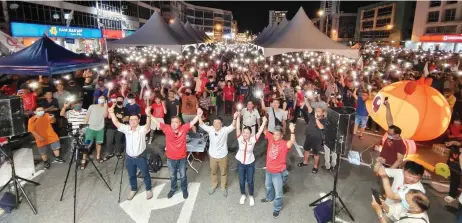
218,151
412,209
250,117
403,179
135,146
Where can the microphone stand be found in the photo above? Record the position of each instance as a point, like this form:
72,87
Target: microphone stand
15,180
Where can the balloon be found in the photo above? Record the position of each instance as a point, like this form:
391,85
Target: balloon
419,110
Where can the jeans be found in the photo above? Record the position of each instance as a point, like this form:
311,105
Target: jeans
246,173
454,182
114,140
274,183
175,166
228,107
142,164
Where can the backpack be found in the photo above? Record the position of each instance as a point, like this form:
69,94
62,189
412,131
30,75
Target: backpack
154,162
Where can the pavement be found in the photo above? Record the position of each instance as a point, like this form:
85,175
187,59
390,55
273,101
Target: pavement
96,203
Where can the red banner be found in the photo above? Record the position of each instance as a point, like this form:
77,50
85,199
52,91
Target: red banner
442,38
112,34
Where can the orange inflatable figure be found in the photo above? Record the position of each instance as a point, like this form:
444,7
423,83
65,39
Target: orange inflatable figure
419,110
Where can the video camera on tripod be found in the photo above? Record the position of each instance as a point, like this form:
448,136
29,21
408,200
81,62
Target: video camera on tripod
78,137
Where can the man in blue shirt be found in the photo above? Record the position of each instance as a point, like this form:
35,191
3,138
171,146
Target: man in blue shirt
100,90
131,106
361,112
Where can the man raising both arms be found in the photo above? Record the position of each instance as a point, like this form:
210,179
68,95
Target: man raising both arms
175,150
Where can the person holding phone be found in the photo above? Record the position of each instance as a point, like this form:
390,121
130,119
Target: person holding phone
95,118
393,148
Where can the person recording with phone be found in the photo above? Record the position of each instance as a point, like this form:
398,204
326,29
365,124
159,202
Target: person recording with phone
414,203
315,119
135,138
75,117
95,118
393,148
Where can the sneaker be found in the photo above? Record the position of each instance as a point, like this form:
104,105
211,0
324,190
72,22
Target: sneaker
150,140
185,194
46,165
242,200
251,201
170,194
108,157
264,200
276,214
326,169
58,159
148,194
449,199
225,192
119,156
131,195
212,190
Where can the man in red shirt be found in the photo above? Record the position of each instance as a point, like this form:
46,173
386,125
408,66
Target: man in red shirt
228,97
29,100
276,172
393,148
175,150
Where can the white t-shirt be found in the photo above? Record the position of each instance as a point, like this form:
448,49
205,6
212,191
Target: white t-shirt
398,185
245,152
218,147
135,141
397,212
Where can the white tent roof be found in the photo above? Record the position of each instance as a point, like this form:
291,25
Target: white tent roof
261,34
300,35
276,32
192,32
203,35
155,32
181,31
267,35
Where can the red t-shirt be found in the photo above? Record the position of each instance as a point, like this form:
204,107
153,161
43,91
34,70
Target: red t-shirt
157,110
142,105
300,99
29,101
390,149
276,154
229,93
455,130
175,143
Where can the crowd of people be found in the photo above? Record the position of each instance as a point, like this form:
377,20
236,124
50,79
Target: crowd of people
144,92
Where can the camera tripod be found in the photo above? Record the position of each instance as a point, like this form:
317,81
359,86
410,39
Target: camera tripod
334,192
75,158
15,180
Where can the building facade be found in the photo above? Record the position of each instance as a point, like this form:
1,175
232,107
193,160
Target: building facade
275,17
80,26
437,25
385,22
341,26
214,22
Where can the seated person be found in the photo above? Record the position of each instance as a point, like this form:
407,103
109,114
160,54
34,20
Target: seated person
455,130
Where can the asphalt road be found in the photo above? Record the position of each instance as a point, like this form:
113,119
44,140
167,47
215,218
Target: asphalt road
95,203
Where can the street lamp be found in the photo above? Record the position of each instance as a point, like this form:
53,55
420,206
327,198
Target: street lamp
389,26
321,13
218,27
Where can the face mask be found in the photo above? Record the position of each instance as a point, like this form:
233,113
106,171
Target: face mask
77,107
130,101
120,103
40,113
100,100
405,204
188,93
113,100
390,137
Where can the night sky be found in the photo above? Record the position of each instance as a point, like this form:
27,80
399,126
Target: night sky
253,16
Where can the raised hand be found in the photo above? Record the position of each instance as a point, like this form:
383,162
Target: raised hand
264,119
148,110
236,115
111,109
200,112
292,127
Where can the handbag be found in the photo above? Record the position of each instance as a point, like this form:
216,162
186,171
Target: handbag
323,212
277,122
8,202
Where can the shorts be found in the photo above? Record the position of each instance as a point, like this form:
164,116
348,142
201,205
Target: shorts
188,118
92,135
53,146
361,121
313,144
154,125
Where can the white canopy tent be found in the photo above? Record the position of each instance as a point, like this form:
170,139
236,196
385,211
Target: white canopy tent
300,35
155,32
203,35
276,31
192,32
265,30
181,31
268,34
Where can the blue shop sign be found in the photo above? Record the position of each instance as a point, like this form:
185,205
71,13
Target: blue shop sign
37,30
128,32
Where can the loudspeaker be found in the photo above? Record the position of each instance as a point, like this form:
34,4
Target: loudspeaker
11,116
338,133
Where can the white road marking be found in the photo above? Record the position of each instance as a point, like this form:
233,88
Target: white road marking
139,209
299,149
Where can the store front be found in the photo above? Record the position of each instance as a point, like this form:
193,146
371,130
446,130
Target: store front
440,42
76,39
